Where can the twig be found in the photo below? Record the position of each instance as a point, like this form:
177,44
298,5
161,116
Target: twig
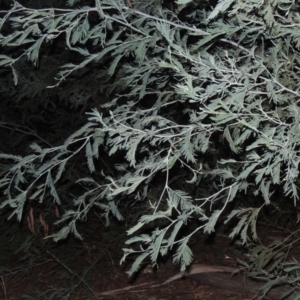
69,270
4,288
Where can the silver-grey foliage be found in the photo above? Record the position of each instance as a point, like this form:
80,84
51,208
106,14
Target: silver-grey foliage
234,72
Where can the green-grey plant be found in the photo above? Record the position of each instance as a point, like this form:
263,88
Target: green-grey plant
199,94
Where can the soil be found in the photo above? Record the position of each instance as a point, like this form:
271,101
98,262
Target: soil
91,270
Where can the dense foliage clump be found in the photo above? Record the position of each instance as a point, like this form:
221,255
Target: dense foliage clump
197,103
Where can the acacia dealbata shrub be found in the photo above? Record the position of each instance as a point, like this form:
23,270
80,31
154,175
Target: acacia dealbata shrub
202,111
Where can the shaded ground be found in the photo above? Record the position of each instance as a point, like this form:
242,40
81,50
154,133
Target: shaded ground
84,270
